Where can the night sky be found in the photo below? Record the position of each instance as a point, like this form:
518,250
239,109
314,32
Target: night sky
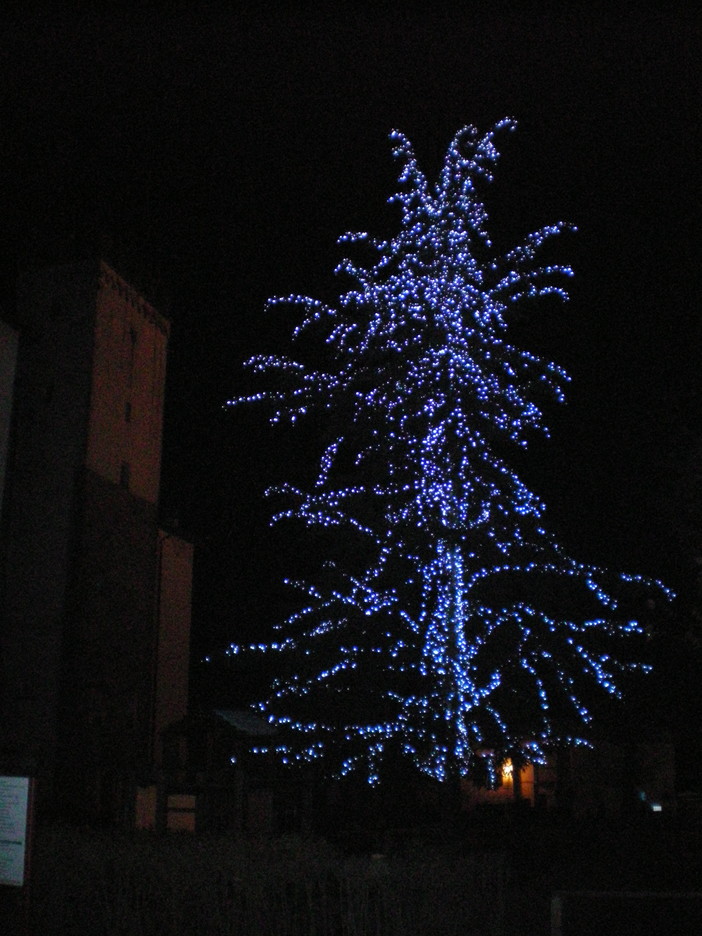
228,151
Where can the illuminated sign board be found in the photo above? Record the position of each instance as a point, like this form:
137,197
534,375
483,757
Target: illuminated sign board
14,829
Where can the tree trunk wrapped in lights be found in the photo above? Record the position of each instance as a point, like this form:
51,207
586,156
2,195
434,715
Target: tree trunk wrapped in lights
445,620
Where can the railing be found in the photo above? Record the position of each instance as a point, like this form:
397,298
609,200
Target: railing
612,913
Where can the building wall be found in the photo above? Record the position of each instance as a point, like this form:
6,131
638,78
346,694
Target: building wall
55,313
175,570
97,601
128,381
112,639
109,649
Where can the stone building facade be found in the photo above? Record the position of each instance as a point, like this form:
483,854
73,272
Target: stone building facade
94,647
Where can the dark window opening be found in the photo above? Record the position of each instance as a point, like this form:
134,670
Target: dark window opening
132,353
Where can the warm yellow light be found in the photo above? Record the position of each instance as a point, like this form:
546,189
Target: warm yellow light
507,771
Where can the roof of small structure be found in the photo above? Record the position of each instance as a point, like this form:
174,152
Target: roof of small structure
246,722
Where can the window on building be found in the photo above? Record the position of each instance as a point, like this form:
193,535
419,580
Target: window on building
132,353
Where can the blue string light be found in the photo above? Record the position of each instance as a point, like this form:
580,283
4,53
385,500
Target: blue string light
469,632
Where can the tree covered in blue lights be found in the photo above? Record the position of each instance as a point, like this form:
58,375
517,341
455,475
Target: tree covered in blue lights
445,624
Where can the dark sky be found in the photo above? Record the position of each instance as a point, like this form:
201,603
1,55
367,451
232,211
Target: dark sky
228,150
